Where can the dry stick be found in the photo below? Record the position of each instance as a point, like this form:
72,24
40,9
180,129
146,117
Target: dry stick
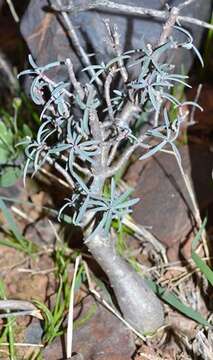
127,113
167,30
13,11
16,304
54,177
36,272
22,215
109,77
122,161
123,70
183,277
106,304
191,119
185,3
107,84
175,279
62,171
132,10
142,231
76,84
85,171
168,27
126,156
26,308
101,158
70,311
196,209
114,37
51,82
113,153
20,313
198,217
55,232
115,44
76,43
123,121
23,345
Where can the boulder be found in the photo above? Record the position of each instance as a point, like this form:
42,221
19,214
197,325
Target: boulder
165,205
45,36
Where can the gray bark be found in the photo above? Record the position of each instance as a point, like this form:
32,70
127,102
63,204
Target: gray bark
138,304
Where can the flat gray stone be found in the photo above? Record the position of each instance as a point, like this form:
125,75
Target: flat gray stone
47,42
98,335
165,204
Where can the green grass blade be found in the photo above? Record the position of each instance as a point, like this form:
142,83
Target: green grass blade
172,300
11,338
197,238
2,290
11,244
58,301
45,311
204,268
10,220
79,278
19,242
8,331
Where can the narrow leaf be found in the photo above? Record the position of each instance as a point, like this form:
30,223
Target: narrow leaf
172,300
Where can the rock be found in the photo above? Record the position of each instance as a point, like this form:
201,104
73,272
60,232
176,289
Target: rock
165,205
98,335
203,127
47,42
40,232
13,192
34,332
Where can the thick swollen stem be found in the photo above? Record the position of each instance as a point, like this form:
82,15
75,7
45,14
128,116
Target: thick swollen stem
138,304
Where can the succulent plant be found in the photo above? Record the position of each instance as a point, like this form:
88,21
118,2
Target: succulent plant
88,132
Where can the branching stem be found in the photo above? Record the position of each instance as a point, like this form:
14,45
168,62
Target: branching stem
133,10
76,43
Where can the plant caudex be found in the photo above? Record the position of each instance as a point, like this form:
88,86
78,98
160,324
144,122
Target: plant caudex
88,129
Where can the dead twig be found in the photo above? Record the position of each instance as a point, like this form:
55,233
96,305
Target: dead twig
107,85
133,10
61,170
13,11
70,311
141,231
76,84
115,44
168,27
24,345
25,307
185,3
76,43
197,96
